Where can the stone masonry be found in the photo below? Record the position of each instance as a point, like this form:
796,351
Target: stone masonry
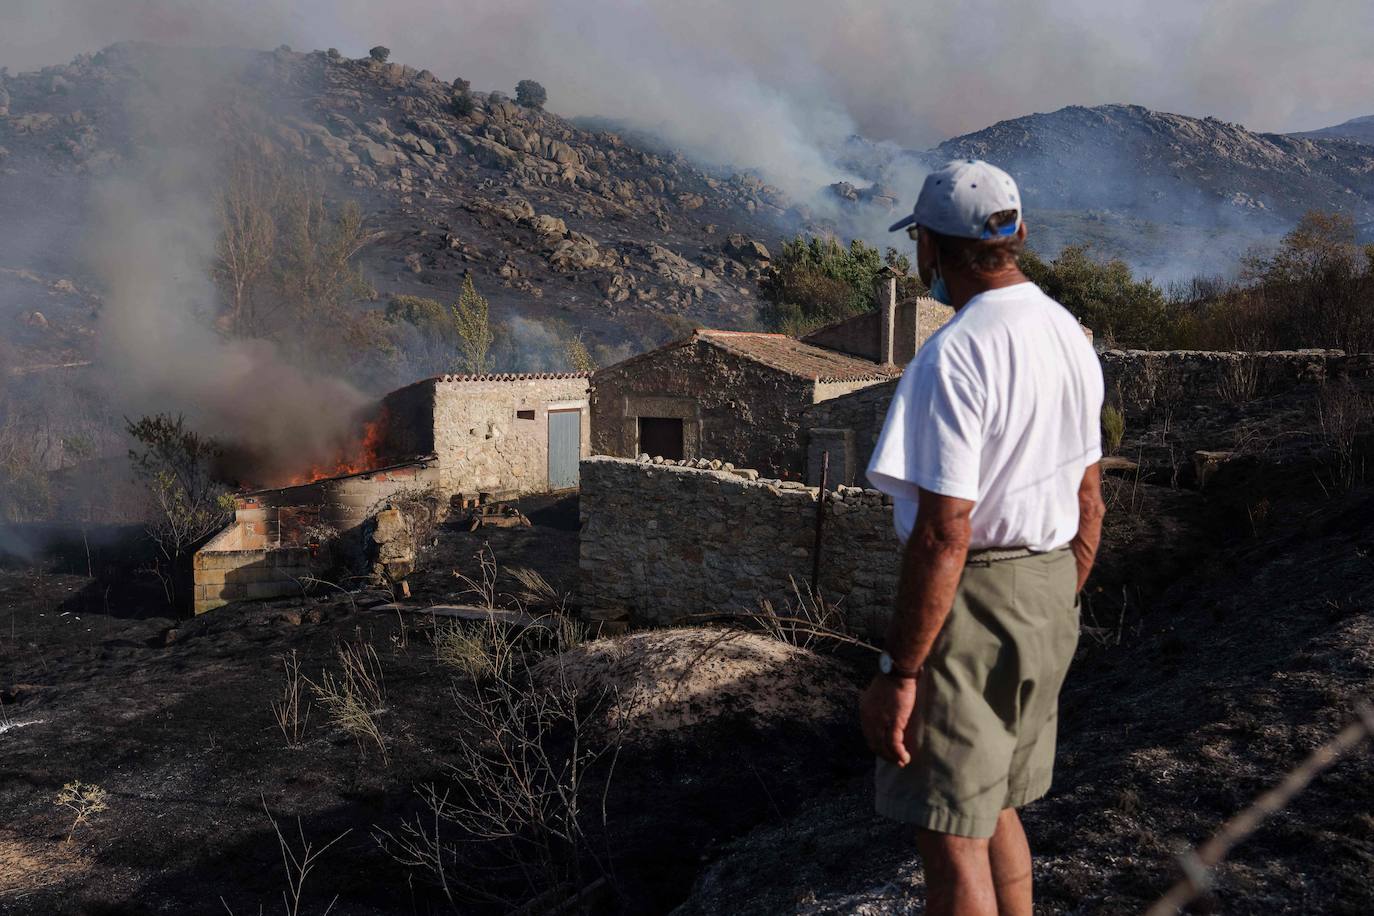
490,434
666,542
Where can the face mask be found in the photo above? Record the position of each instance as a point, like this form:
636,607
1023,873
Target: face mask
938,291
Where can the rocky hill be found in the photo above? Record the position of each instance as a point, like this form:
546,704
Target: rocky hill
1173,195
552,221
1360,130
1171,168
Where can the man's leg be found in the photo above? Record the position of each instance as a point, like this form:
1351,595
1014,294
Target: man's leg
1010,859
958,875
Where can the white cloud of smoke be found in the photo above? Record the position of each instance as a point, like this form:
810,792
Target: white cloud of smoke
150,240
777,84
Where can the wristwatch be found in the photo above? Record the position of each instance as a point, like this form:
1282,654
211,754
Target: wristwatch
888,668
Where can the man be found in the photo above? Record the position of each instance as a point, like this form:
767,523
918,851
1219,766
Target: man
990,452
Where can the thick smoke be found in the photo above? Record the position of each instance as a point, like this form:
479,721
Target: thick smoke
150,244
779,84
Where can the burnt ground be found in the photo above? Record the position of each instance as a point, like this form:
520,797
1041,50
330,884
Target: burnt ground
172,718
1229,632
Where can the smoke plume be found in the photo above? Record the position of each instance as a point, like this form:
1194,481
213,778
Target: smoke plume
779,84
151,242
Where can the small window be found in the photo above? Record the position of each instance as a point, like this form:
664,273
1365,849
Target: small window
524,415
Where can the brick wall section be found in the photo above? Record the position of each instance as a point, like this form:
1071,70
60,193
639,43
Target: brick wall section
225,570
732,408
667,542
913,320
261,555
862,414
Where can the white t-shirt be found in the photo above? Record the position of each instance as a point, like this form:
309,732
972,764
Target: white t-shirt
1001,406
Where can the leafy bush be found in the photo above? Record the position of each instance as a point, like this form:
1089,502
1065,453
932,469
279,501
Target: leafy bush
1316,289
427,315
1120,310
463,103
186,502
380,53
529,94
816,281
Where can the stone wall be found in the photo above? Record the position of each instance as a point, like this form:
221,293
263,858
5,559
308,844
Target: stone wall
1138,381
848,427
666,542
489,433
1141,381
731,408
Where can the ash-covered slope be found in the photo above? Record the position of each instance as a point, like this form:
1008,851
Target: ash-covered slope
550,219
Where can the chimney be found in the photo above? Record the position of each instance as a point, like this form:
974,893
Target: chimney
885,294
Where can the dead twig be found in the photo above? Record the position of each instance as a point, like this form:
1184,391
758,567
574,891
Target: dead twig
1199,864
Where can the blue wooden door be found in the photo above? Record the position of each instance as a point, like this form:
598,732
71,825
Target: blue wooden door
565,448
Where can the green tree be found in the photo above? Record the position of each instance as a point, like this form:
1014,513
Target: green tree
472,321
380,53
1318,287
529,94
815,281
1120,310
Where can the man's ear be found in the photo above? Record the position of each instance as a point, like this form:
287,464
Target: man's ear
1021,230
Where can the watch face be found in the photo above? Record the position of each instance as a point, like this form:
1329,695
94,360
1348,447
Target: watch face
885,663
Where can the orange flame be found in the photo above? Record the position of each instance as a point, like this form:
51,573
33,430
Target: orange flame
365,455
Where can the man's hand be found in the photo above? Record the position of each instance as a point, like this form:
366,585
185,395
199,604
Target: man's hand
884,712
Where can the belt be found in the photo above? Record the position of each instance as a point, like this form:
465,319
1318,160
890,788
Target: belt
998,554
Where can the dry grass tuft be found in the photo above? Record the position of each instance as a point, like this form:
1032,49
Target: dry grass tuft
292,711
479,652
355,697
83,799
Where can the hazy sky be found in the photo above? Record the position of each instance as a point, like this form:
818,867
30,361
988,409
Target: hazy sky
778,79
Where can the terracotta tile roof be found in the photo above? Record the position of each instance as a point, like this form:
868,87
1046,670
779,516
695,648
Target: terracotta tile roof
512,376
789,355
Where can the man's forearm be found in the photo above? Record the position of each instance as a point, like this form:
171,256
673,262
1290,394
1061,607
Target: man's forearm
932,564
1091,510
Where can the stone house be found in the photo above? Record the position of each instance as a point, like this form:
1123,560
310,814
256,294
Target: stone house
452,436
736,396
506,435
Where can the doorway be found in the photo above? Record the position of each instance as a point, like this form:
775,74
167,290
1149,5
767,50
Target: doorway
661,437
565,448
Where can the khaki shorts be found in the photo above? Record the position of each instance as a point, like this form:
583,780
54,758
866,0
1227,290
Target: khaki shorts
983,734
